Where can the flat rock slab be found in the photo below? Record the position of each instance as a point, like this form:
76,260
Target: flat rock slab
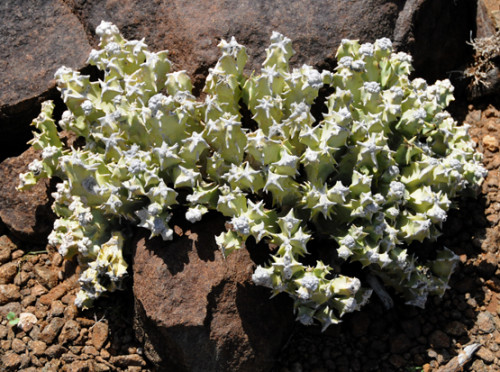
196,311
26,214
37,38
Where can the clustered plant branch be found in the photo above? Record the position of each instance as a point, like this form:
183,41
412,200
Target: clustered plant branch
375,174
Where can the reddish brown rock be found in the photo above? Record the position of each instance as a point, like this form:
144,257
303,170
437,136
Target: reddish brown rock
37,347
439,339
51,331
18,346
485,354
9,293
487,18
7,272
456,328
39,290
26,214
37,38
485,322
199,312
56,308
14,307
399,344
11,361
6,248
46,275
55,351
55,293
79,366
99,334
69,332
127,361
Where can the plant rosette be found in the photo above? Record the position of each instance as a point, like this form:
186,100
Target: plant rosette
378,171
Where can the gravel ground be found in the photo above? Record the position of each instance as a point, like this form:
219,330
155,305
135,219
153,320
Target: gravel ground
61,338
36,280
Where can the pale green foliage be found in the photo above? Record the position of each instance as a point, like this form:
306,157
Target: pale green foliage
376,173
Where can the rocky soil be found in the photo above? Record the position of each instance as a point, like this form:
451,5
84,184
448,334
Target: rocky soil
36,280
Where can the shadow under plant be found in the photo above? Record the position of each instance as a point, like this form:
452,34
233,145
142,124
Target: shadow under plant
377,339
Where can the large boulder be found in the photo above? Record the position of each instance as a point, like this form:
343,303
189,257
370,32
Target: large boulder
196,311
26,214
434,31
191,30
37,38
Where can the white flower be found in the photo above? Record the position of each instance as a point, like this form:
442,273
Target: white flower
358,66
344,252
419,114
314,78
366,49
403,57
113,48
53,239
280,42
85,217
193,215
372,87
87,107
384,44
354,285
262,276
137,166
81,298
350,305
84,245
49,151
241,224
396,190
398,92
346,62
437,214
419,84
35,167
310,282
348,242
232,48
106,29
61,71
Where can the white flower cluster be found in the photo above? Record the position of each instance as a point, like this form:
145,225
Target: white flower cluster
376,173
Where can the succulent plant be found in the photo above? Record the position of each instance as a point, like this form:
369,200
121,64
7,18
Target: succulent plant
378,171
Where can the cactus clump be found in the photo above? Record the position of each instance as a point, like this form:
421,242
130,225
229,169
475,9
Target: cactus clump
375,173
